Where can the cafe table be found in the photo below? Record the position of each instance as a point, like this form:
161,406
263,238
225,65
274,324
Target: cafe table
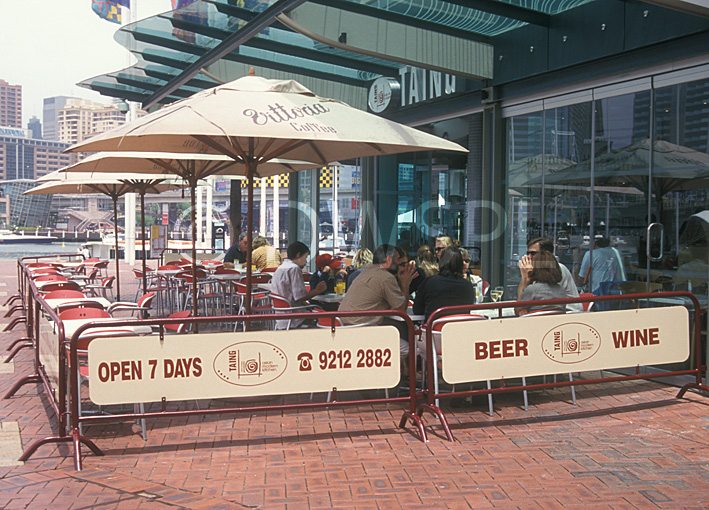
72,325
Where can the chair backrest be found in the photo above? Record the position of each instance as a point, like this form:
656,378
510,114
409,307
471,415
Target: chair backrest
92,260
225,270
146,299
84,313
92,274
178,328
38,264
169,267
438,324
108,282
78,304
486,287
45,270
101,265
326,322
280,303
269,269
60,286
261,278
586,306
64,294
51,278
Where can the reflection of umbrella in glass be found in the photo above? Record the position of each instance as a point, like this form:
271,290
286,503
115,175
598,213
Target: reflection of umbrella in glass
254,120
190,167
113,186
675,168
523,170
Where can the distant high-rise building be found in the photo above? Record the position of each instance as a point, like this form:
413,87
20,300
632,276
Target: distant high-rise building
34,126
50,111
26,158
10,105
76,122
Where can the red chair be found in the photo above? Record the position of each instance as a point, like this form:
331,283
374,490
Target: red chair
587,306
51,278
269,269
64,294
101,266
282,305
60,286
101,289
176,328
260,302
32,265
143,305
69,305
44,270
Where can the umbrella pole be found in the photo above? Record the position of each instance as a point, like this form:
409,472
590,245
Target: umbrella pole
115,239
249,234
193,189
142,233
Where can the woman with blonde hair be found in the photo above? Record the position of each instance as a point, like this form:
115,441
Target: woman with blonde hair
426,261
264,255
362,259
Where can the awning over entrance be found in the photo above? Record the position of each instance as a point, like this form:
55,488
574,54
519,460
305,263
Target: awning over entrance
336,47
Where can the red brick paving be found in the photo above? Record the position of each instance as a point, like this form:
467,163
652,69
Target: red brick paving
626,445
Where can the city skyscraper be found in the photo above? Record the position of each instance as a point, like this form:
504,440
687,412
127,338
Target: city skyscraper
34,126
10,105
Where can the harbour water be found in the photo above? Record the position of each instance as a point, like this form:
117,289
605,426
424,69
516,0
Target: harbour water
16,251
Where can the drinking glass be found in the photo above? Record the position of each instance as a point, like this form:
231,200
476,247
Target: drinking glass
500,291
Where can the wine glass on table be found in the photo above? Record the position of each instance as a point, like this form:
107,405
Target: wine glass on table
497,293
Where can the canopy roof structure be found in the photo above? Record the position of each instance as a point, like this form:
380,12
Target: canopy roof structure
337,47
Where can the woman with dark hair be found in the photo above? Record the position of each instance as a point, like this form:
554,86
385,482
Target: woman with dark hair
447,288
545,276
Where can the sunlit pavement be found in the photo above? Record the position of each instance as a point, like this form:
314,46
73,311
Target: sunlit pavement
625,445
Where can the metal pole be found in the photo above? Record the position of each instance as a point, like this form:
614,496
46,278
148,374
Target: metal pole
115,240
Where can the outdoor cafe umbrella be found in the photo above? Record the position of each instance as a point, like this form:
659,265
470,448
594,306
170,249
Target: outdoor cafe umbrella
190,167
254,120
114,186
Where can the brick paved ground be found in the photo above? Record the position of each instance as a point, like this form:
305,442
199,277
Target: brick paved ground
625,445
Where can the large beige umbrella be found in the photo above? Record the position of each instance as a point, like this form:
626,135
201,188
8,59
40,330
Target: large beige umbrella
112,185
191,168
254,120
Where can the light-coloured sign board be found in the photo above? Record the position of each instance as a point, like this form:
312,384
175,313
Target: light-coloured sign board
224,365
524,346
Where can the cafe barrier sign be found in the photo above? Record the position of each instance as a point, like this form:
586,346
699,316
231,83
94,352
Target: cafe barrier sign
506,348
224,365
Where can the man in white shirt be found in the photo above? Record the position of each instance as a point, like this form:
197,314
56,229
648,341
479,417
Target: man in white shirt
567,281
288,280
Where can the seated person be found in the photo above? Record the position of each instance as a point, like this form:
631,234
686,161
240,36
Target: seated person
288,281
264,255
383,285
362,259
544,276
327,271
237,252
447,288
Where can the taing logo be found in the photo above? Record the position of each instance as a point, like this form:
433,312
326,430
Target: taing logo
250,363
573,342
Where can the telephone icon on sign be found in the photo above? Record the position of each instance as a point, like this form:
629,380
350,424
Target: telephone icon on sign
305,360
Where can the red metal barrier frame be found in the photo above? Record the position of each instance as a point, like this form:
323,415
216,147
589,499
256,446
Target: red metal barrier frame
431,396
